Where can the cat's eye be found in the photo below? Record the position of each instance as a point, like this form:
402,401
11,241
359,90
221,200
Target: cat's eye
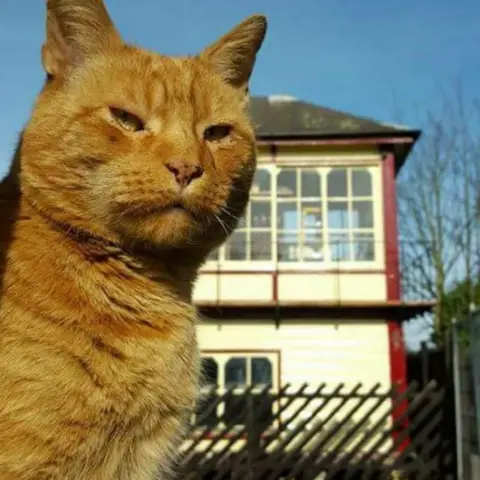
215,133
127,120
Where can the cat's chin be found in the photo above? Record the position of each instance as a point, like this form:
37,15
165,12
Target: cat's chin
175,214
170,227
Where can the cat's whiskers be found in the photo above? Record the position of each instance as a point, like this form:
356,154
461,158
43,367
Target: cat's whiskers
241,221
226,210
223,224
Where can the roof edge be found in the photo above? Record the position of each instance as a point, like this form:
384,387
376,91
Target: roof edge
414,134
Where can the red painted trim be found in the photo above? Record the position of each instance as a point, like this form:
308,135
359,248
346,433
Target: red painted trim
336,141
275,287
290,272
398,358
390,228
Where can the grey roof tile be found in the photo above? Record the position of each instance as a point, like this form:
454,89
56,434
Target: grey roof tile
283,116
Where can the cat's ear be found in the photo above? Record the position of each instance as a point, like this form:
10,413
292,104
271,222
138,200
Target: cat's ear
76,30
233,55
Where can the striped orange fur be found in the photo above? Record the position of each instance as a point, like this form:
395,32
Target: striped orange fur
103,227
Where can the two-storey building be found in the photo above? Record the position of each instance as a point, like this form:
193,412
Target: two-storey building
307,289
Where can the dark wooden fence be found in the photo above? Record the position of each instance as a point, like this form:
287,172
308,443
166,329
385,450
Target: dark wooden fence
429,364
466,347
322,433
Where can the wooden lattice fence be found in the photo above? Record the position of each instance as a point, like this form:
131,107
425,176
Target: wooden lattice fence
321,433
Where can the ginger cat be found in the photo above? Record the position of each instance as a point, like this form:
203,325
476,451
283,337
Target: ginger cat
132,168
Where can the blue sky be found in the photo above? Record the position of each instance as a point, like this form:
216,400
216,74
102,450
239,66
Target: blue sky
366,57
361,56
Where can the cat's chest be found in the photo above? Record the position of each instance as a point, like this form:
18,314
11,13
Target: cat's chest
146,348
154,373
143,395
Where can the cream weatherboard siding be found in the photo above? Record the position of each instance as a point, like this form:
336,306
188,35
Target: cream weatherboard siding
348,351
254,288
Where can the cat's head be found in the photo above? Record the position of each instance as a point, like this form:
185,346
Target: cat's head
137,145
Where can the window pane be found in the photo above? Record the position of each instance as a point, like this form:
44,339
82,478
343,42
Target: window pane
261,371
236,372
312,247
339,247
310,183
337,183
287,183
287,216
287,246
363,247
261,246
311,215
361,183
261,182
236,247
209,371
260,214
338,215
362,214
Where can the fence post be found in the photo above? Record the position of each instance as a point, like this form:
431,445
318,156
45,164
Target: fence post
253,438
425,364
474,336
458,400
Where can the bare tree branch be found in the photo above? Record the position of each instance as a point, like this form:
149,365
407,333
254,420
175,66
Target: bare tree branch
439,204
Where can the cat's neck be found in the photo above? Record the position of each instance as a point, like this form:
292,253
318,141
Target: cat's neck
87,283
175,271
172,270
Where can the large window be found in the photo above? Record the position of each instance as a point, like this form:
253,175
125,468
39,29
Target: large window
323,215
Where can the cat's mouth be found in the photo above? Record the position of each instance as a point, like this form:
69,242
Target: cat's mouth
142,209
177,206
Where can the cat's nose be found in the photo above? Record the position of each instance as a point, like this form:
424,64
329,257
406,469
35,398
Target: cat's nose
183,171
